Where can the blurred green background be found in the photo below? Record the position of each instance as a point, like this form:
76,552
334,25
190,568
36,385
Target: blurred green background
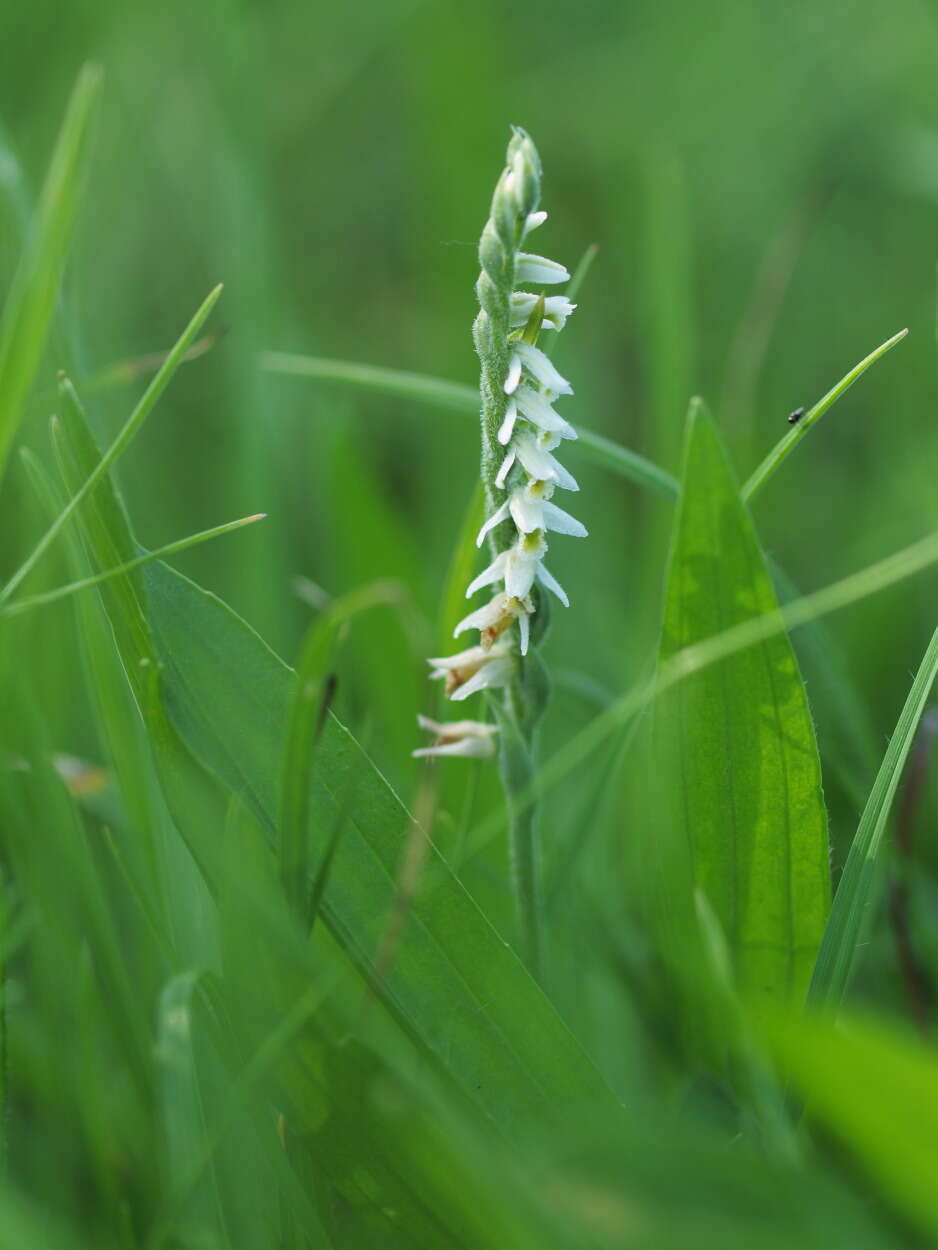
762,184
761,181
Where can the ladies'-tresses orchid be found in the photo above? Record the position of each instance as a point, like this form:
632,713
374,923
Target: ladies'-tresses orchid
521,430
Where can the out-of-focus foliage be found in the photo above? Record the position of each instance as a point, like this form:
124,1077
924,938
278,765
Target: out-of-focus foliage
183,1065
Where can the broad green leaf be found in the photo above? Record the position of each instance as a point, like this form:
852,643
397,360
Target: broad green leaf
876,1091
215,695
851,913
30,304
699,656
740,739
842,716
453,983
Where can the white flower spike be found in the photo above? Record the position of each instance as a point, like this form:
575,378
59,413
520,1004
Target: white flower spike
521,430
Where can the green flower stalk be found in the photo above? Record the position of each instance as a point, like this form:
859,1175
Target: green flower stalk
521,430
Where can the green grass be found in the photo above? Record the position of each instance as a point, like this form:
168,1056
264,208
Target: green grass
260,969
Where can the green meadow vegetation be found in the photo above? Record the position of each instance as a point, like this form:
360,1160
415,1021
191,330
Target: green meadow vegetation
654,965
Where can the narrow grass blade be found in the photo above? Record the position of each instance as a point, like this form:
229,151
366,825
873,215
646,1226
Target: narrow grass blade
462,563
398,382
29,306
121,441
573,288
787,445
465,399
851,913
121,731
181,544
738,742
126,372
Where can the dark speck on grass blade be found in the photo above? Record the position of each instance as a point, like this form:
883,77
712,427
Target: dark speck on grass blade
802,421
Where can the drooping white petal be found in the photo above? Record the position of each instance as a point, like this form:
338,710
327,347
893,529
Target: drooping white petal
493,573
533,220
514,374
524,628
526,510
560,522
536,409
471,658
502,474
563,477
539,366
462,737
471,748
453,729
547,579
531,268
538,461
507,426
500,514
557,308
496,673
520,570
485,617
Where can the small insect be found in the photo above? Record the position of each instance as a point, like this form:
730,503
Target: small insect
795,417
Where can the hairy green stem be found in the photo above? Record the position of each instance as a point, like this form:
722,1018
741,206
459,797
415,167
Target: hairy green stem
516,195
518,773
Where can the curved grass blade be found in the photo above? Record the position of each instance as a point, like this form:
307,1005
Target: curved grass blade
121,442
308,707
785,446
30,304
459,398
461,566
572,289
851,913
